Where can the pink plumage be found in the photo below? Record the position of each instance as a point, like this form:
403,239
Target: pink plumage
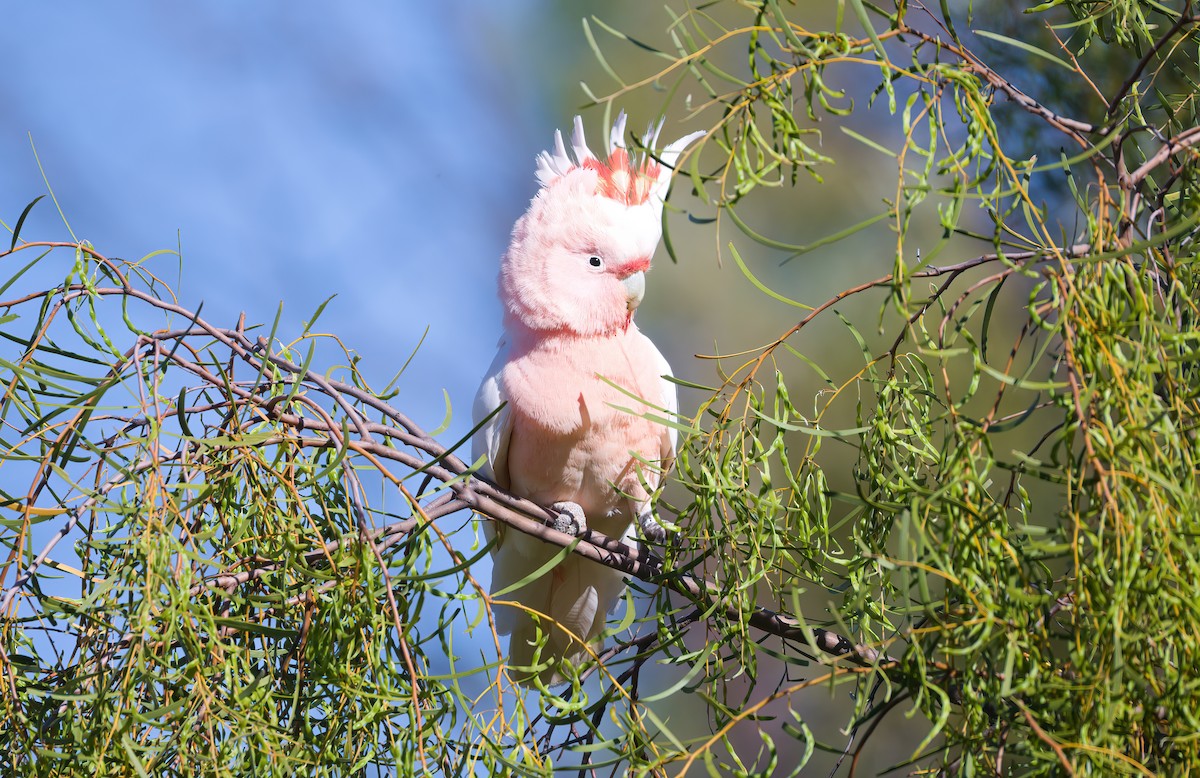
570,281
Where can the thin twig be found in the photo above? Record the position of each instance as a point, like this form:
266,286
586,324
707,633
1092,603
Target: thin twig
1185,18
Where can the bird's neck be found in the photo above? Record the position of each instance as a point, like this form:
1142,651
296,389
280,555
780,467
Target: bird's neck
523,335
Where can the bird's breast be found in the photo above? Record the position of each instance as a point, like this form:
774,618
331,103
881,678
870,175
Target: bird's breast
570,439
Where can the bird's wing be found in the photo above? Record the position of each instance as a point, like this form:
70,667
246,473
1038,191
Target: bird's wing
492,438
670,401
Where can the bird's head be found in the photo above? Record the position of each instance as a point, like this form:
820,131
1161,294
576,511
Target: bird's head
578,257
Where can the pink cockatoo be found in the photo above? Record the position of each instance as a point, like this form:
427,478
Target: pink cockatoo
570,281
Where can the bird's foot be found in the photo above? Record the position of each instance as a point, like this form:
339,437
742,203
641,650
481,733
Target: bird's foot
652,530
570,519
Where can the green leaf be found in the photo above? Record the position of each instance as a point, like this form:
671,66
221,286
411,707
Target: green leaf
860,11
760,286
16,233
1026,47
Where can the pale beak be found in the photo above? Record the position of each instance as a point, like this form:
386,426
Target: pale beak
635,289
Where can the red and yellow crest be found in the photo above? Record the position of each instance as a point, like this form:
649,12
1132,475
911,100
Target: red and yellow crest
629,179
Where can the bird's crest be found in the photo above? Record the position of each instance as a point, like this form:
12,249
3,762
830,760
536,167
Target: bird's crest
629,179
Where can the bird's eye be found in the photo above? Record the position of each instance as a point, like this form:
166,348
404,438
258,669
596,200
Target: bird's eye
595,261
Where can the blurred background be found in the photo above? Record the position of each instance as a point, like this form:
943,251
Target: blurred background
381,153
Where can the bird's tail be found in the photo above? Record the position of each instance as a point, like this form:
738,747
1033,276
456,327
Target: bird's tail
576,595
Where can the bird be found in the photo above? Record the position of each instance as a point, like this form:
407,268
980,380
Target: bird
561,414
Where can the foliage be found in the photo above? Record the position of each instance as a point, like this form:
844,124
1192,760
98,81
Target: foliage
201,579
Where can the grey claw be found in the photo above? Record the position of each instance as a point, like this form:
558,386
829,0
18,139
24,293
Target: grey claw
652,531
570,519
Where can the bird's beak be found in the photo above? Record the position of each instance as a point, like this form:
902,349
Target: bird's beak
635,289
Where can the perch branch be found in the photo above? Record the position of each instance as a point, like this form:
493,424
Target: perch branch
423,453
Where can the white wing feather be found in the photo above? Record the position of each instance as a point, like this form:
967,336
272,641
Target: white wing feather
492,438
670,401
509,559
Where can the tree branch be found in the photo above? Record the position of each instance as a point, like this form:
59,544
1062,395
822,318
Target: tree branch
429,456
1185,18
1183,140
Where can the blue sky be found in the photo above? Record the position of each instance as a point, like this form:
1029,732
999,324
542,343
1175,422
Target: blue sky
377,151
